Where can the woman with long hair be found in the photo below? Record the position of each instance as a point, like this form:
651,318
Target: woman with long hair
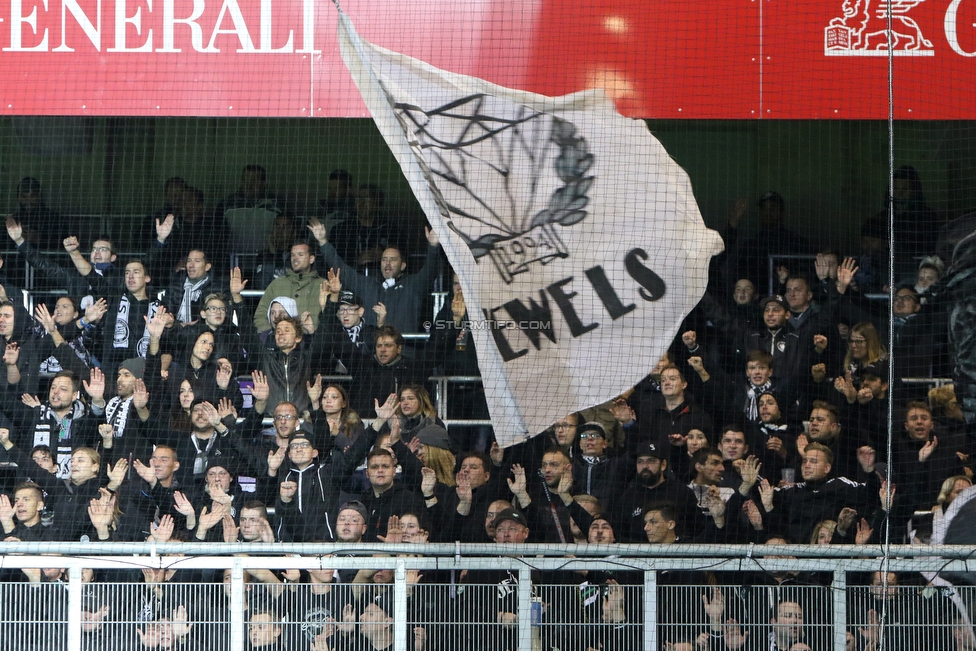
344,421
864,348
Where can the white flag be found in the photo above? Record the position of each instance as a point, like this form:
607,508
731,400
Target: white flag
567,223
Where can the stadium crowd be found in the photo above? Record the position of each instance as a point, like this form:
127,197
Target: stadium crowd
765,422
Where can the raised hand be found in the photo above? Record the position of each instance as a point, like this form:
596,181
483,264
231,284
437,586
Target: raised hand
863,532
275,459
182,505
458,308
801,443
821,266
260,391
15,230
211,413
464,490
70,243
225,371
690,339
237,283
266,532
163,532
380,310
180,622
31,401
753,514
44,317
819,372
117,472
496,453
870,633
517,484
226,408
314,390
735,638
95,385
156,325
713,501
738,211
333,281
565,486
750,473
210,517
307,326
145,472
7,512
714,608
819,343
622,411
432,238
766,495
11,354
928,449
219,495
140,395
107,432
414,444
845,519
231,530
385,411
319,232
95,311
845,274
164,228
845,384
428,482
287,490
395,430
394,531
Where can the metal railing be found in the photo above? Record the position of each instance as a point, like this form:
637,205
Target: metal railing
657,608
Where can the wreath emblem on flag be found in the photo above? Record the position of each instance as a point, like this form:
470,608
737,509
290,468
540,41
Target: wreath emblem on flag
505,183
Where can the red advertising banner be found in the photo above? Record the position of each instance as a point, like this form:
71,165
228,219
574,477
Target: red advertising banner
738,59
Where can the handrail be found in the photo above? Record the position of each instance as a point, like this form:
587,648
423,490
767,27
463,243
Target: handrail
517,559
535,551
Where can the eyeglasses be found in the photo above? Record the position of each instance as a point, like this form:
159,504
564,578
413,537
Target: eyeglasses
101,249
348,310
858,342
586,436
214,308
285,417
299,446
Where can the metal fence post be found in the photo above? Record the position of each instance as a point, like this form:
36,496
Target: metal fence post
650,610
74,606
400,607
525,609
839,593
237,606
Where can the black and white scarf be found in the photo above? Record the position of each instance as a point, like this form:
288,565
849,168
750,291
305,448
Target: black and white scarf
117,414
753,393
191,294
123,328
354,333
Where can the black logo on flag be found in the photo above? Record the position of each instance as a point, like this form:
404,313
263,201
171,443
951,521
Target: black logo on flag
521,177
